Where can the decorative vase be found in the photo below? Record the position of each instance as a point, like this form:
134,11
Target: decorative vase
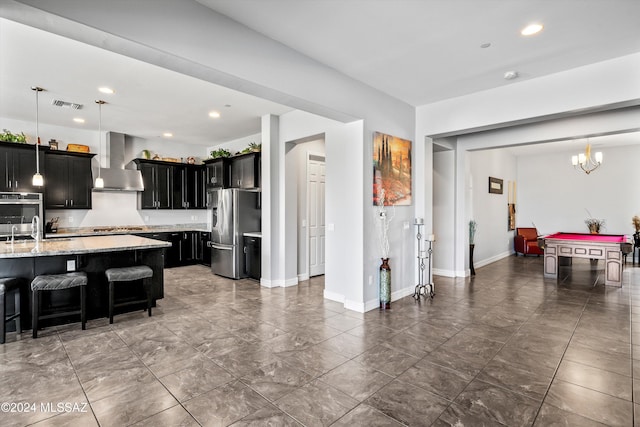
471,248
385,284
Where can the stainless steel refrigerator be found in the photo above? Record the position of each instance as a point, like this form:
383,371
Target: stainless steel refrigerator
231,212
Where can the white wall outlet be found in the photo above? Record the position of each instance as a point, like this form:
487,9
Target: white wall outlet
304,222
146,217
70,220
71,265
370,280
331,227
406,225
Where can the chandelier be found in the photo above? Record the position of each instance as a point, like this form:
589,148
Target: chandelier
585,162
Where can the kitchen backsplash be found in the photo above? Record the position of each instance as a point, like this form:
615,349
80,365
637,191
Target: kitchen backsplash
113,208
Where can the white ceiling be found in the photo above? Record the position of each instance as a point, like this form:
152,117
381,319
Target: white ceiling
423,51
149,100
419,51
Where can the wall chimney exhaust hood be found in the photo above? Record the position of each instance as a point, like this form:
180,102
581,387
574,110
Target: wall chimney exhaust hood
116,177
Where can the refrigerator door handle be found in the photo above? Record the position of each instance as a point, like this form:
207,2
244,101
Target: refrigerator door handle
222,247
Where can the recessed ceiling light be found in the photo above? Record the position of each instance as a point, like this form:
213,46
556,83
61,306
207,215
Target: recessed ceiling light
105,89
485,45
531,29
510,75
78,119
167,134
227,105
214,114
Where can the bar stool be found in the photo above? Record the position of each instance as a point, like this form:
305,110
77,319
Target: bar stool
7,285
129,274
56,282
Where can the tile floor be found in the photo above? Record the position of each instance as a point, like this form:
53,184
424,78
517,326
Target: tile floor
506,348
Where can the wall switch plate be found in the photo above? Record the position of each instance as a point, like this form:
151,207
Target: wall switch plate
71,265
146,217
370,280
331,227
406,225
70,220
304,222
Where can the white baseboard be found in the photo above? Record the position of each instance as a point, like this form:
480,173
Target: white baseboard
333,296
493,259
442,272
278,283
303,277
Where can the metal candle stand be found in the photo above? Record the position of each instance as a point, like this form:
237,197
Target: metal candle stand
421,287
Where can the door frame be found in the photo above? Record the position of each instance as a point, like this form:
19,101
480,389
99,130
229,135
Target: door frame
316,156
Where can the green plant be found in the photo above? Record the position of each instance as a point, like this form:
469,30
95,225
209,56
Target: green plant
12,137
222,152
252,147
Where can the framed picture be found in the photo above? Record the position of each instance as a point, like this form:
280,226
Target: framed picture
391,170
495,185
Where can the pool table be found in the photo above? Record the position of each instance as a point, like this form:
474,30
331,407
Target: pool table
608,247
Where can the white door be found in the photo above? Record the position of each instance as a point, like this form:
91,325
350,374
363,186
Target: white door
315,211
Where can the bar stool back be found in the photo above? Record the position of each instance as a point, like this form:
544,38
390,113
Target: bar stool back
56,282
8,285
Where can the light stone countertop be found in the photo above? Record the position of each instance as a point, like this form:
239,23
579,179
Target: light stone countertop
78,245
125,229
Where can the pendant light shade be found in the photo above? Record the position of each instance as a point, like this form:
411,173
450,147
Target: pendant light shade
37,180
99,181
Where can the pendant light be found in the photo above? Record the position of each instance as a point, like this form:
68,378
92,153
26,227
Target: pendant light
99,181
38,180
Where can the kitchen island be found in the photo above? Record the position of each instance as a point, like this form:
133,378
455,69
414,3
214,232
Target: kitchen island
93,255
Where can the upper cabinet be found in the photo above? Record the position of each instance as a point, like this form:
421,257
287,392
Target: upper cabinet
189,188
241,171
245,170
158,184
218,172
17,167
68,180
169,185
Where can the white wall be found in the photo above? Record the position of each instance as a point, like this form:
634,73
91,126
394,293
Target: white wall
236,145
554,196
493,239
443,212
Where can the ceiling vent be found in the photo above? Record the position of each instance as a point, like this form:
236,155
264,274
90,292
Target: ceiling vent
65,104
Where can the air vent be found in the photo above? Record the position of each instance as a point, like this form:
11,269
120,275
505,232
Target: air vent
65,104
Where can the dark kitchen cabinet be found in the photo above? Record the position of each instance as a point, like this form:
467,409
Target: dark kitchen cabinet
218,172
245,171
189,188
68,180
204,251
253,256
188,247
18,165
157,178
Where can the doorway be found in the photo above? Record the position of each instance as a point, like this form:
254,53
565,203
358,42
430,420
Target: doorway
315,214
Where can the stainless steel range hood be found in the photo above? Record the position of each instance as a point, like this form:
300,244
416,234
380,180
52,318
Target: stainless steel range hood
116,177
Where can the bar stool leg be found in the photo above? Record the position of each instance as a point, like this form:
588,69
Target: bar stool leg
3,311
147,290
111,297
83,306
35,310
18,310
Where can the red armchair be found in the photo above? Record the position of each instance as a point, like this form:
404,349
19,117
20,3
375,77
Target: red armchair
526,242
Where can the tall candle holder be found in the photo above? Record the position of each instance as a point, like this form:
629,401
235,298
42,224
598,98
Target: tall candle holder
422,288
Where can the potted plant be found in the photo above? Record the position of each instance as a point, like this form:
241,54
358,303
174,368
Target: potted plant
7,136
222,152
595,225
